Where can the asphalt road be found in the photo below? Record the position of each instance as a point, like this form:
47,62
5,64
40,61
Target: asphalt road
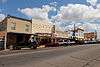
65,56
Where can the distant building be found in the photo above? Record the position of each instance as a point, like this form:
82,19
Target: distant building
16,29
90,36
79,33
61,34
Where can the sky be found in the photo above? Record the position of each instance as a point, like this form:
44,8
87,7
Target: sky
64,13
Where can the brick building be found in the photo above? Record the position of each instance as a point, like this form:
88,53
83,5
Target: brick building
90,36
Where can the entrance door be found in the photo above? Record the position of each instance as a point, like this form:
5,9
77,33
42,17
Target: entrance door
19,38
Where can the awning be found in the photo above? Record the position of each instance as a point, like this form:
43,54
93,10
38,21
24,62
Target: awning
20,33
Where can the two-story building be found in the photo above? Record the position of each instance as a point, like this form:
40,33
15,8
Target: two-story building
78,33
43,29
15,30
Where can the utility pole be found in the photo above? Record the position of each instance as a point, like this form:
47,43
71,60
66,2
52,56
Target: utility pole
5,42
95,35
53,33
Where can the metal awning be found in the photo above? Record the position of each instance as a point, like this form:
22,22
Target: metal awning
20,33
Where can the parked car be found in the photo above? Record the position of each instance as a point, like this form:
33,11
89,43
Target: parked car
52,45
63,42
71,42
90,42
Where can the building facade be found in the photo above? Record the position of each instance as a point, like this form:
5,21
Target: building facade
18,25
79,34
89,36
61,34
43,29
41,26
15,30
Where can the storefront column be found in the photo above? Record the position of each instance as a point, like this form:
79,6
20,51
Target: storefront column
5,42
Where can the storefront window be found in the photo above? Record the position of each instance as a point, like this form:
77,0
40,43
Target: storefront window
13,26
27,28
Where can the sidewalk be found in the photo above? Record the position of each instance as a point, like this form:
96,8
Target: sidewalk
24,50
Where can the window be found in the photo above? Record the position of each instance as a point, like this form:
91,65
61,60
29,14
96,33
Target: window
27,28
13,26
2,26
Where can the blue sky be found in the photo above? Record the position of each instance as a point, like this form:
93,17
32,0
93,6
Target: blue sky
66,13
11,6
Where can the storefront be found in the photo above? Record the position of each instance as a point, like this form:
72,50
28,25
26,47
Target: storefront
16,30
17,38
2,34
43,38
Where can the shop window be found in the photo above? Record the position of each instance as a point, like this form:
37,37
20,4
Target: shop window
2,26
13,26
27,28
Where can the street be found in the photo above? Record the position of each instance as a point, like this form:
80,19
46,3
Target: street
70,56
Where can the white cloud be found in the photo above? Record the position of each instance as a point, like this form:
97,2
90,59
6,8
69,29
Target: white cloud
98,6
26,11
72,11
53,4
38,13
92,2
90,26
78,12
2,16
68,15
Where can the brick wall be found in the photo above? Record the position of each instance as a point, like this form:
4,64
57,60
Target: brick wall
89,36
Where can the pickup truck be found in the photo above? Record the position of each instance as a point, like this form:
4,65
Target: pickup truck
65,43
